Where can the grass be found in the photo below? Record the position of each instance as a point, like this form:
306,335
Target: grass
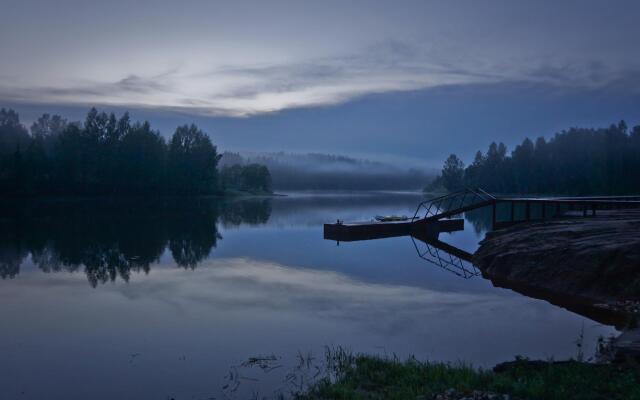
370,377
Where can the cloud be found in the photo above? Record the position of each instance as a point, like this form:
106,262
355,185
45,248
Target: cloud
257,287
239,59
239,90
211,89
136,84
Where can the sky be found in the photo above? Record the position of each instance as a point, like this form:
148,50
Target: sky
405,81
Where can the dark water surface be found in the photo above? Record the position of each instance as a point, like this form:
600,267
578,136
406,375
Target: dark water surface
160,300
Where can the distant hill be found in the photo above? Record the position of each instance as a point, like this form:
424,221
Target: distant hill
313,171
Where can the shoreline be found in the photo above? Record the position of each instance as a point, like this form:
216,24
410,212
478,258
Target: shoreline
590,266
155,197
360,376
588,261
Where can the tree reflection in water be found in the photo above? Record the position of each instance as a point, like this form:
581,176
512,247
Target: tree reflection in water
113,238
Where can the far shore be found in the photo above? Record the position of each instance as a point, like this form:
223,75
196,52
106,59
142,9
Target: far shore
230,194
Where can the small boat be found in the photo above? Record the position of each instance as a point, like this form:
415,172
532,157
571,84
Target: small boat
391,218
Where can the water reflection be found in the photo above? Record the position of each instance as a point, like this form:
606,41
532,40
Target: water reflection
481,219
269,285
459,262
112,239
447,257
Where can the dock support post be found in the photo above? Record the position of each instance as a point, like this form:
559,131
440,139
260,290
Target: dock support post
584,211
513,211
544,210
593,210
493,216
527,211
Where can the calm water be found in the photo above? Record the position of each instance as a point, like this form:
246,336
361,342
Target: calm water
146,300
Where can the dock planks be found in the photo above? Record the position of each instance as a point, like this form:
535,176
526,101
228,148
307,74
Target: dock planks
368,230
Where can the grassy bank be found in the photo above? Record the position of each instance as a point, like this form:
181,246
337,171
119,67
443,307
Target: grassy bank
368,377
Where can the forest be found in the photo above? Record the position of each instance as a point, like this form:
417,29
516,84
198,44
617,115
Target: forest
106,155
577,161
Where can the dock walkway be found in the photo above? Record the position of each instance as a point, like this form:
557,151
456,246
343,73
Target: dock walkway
441,214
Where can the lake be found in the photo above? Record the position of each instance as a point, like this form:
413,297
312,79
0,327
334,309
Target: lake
164,299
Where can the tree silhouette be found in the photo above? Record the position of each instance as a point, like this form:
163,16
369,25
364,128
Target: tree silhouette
578,161
453,173
192,162
106,155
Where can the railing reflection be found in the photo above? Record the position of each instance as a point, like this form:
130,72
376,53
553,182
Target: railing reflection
423,236
443,255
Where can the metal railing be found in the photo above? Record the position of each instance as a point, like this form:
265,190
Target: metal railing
453,204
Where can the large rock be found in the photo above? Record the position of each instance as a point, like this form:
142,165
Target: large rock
596,259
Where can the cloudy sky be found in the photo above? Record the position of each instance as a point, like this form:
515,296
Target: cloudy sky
398,80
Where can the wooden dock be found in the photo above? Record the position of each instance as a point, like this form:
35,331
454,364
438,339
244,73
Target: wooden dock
442,214
353,231
457,203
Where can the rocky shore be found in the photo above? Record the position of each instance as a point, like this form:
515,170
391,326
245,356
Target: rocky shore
588,265
595,259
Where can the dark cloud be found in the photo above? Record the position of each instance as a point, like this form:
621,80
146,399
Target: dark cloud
136,84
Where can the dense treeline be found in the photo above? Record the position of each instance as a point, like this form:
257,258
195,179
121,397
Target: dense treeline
104,155
578,161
